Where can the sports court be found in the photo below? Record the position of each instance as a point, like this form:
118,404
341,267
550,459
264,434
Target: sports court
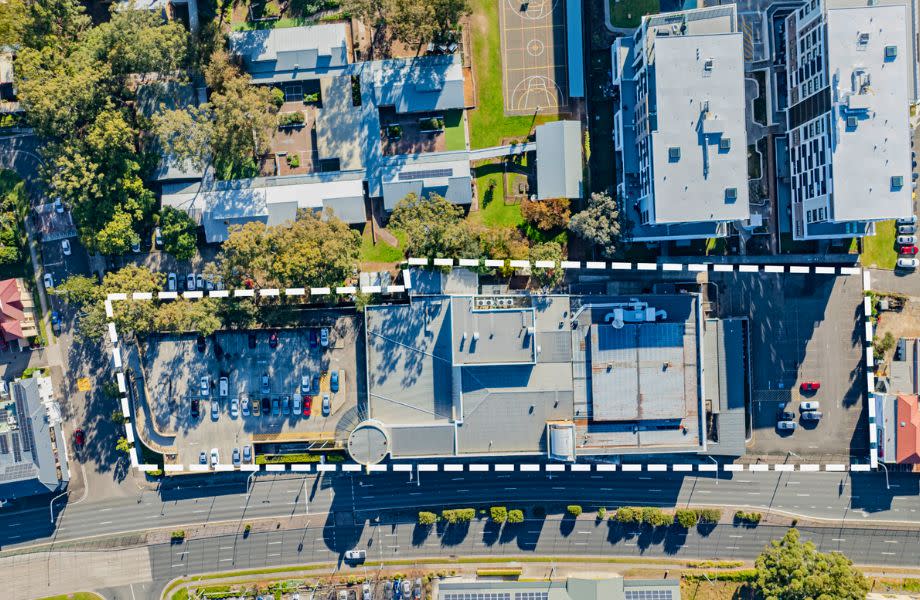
533,56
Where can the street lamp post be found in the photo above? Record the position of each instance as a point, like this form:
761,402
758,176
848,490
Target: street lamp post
887,485
51,505
717,468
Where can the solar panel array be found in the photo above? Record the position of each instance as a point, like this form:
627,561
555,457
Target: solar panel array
17,472
4,444
479,596
17,453
651,594
426,174
531,596
28,441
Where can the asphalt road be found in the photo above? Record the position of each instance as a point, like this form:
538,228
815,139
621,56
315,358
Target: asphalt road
840,497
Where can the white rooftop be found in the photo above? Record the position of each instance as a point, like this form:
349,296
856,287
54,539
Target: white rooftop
874,89
700,106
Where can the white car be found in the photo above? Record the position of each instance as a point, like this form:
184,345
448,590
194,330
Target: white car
205,385
215,457
65,247
244,404
49,282
199,281
234,407
812,405
324,337
327,405
908,263
171,282
304,384
911,220
297,405
236,456
190,281
58,206
786,425
907,229
215,410
907,240
223,387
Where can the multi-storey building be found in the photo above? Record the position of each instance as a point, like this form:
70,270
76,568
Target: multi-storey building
851,79
679,126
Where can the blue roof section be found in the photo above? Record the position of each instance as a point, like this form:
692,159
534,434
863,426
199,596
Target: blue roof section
291,51
443,173
574,47
421,84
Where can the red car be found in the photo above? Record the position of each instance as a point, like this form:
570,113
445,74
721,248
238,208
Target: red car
909,250
79,438
810,386
307,405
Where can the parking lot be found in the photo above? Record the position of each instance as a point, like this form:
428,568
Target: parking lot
804,328
175,364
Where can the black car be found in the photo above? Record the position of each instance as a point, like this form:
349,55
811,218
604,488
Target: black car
201,343
785,415
313,341
195,408
273,340
266,406
252,340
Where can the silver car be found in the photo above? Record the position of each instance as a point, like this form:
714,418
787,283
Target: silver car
812,415
907,240
786,425
907,229
234,407
327,405
908,263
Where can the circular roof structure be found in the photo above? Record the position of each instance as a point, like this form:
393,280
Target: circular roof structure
369,442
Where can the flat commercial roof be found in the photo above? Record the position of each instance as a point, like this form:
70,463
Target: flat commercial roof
699,150
868,84
486,335
559,168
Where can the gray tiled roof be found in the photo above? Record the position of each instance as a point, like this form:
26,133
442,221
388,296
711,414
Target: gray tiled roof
559,168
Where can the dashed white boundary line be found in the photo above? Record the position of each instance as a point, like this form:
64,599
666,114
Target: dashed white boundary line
504,467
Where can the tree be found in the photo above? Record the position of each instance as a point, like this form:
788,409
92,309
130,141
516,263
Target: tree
427,518
599,223
116,236
415,22
458,515
709,515
628,514
370,12
118,417
498,514
515,516
500,242
183,315
12,22
547,276
178,229
434,227
655,517
573,509
55,23
548,214
122,445
685,517
793,570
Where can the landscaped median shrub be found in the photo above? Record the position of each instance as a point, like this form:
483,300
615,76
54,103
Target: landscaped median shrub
740,576
628,514
515,516
601,513
686,517
709,515
573,509
752,518
427,518
285,459
715,564
178,534
458,515
498,514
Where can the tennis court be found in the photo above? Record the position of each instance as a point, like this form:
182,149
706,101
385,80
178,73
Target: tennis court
533,56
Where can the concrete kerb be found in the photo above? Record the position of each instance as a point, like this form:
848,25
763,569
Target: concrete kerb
517,264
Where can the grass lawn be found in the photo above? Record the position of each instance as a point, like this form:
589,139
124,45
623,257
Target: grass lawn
380,252
454,134
629,13
493,212
75,596
488,123
878,250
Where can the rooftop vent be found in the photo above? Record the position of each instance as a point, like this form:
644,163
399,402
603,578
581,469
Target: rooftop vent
863,39
851,122
709,64
673,153
891,52
725,144
731,194
897,182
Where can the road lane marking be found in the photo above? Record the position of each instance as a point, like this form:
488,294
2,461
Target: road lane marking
838,540
225,559
106,523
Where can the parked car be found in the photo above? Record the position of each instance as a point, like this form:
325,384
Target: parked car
327,405
234,407
136,247
55,321
203,458
79,438
205,385
356,555
908,263
171,282
158,237
366,593
315,384
307,405
911,220
907,239
58,206
812,405
273,340
244,406
236,456
49,281
297,405
814,415
324,336
266,406
266,384
215,457
785,415
406,587
65,247
286,405
313,338
252,340
200,343
247,454
334,381
276,407
223,387
909,250
810,386
190,281
786,425
196,408
199,281
255,406
907,229
215,410
304,384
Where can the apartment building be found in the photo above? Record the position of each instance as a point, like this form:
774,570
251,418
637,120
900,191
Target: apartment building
851,80
679,126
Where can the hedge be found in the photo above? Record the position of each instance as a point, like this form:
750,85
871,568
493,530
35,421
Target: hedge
628,514
458,515
686,517
752,518
741,576
427,518
178,534
282,459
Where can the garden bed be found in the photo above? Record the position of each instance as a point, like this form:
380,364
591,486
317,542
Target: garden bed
431,124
